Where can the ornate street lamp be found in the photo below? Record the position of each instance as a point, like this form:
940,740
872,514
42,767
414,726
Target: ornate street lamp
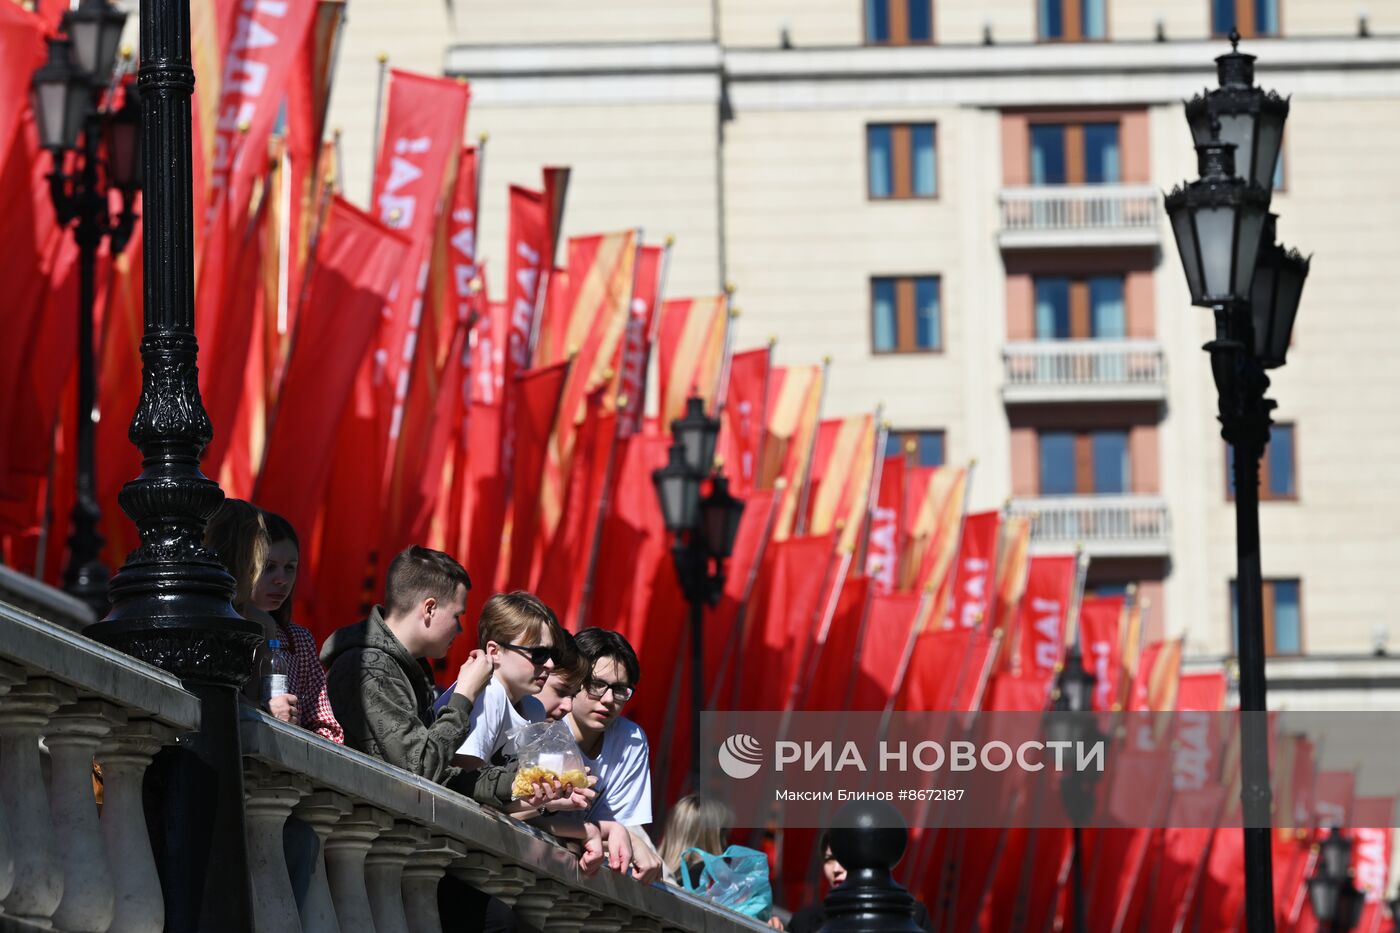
1336,900
1225,236
1250,117
1071,720
75,120
705,531
170,602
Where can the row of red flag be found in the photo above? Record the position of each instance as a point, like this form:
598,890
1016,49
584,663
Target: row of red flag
362,384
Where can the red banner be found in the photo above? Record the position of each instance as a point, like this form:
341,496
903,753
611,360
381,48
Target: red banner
526,244
356,263
1100,624
743,417
462,234
1049,585
636,350
539,392
882,550
422,134
974,575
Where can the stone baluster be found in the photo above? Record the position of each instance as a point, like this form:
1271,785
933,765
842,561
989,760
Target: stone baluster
421,876
271,796
536,903
570,912
641,923
321,811
346,849
384,875
125,755
606,918
38,884
485,872
10,675
74,735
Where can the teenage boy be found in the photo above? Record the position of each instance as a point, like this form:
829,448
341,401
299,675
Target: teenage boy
615,749
556,698
811,918
378,689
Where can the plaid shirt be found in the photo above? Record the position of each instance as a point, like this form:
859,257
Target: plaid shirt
308,681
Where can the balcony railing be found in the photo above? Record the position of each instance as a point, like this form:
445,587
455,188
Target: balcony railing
387,836
1080,215
1084,370
1107,525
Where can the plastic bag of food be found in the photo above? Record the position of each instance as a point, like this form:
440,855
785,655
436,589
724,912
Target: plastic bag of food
546,751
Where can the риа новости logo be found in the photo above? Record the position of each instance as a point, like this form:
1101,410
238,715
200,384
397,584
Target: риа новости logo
740,756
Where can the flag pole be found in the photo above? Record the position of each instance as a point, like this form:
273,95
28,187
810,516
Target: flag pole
877,472
721,391
383,59
805,493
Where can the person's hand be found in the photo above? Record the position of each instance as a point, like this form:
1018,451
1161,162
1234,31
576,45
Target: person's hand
775,923
619,843
284,707
475,673
542,793
574,798
592,858
646,864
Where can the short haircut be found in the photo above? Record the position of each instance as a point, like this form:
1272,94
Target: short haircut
512,618
570,666
419,573
237,536
596,643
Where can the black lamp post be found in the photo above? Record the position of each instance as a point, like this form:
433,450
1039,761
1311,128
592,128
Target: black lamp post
171,600
1072,720
704,529
1336,900
1224,233
79,127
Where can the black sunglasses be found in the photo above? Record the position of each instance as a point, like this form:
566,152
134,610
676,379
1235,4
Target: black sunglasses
538,654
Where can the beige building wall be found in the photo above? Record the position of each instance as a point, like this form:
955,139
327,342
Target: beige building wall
544,22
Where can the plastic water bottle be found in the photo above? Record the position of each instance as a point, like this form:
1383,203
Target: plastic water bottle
274,670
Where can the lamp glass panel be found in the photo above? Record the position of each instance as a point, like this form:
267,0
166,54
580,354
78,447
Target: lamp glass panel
1216,228
1270,140
1290,293
1323,895
1185,233
110,39
123,141
79,104
1262,295
85,34
51,109
1238,128
1251,234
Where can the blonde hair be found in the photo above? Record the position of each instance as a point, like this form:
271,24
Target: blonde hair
695,822
511,618
238,537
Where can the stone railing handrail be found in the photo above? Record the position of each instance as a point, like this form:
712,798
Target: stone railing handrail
61,867
389,836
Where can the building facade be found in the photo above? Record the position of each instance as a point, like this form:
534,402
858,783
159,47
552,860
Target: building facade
959,202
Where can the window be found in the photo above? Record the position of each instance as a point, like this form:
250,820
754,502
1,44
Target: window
1250,17
1079,308
1084,463
1074,153
1278,169
906,314
919,448
1073,19
902,160
1278,473
1283,617
898,22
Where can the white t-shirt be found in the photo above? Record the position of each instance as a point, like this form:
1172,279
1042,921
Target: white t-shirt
623,767
493,719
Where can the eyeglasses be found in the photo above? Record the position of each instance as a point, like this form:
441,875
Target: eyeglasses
596,688
538,654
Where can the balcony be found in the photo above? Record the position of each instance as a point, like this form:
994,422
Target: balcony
1131,525
1039,371
1041,216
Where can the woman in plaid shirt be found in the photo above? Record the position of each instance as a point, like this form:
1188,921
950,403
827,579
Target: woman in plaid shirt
272,593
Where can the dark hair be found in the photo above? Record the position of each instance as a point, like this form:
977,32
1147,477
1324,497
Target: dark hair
570,664
237,536
278,530
514,617
419,573
824,844
595,643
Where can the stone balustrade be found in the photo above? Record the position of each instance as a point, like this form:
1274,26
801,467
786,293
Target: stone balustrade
62,866
389,837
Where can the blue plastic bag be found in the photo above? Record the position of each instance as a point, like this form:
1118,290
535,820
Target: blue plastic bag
736,879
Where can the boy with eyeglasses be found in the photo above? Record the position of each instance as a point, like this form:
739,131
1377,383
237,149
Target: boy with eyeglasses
615,749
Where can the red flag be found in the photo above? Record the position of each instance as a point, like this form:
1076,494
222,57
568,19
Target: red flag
883,541
1100,624
422,135
526,245
743,417
723,646
974,576
794,589
831,675
539,392
356,263
462,235
1044,605
881,647
690,351
646,295
1371,855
